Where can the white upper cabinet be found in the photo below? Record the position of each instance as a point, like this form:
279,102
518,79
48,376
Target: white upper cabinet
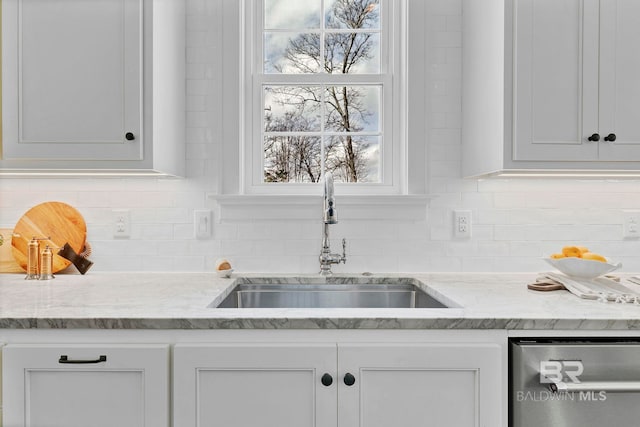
79,85
78,80
562,86
620,79
556,80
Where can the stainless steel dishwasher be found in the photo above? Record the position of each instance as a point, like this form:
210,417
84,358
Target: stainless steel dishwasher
574,382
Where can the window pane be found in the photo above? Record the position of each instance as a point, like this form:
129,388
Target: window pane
353,158
291,14
332,122
353,53
291,53
352,14
292,108
292,158
352,108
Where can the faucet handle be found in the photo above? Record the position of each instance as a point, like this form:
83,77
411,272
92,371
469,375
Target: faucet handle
344,250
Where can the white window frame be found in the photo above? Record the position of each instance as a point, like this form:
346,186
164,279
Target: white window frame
393,105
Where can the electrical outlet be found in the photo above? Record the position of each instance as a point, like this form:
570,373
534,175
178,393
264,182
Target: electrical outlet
631,224
121,223
202,224
462,224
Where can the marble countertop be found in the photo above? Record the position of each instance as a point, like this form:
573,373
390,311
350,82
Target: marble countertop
180,301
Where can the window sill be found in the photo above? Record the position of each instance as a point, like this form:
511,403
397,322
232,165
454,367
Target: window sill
307,207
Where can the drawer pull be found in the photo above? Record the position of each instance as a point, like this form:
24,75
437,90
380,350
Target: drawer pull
65,359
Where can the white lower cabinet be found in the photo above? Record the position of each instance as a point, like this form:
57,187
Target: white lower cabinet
86,385
254,385
407,385
1,344
336,384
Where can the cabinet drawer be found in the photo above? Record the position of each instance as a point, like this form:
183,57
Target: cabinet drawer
80,385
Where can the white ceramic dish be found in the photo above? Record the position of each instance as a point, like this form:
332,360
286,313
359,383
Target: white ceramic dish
583,268
225,274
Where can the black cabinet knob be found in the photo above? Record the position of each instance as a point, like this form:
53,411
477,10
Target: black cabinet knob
130,136
594,137
610,138
326,380
349,379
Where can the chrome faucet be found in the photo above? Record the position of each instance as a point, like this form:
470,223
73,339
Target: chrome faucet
329,216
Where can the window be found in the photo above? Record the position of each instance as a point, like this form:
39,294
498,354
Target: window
322,95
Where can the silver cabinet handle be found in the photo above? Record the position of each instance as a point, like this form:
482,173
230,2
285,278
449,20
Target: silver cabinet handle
610,386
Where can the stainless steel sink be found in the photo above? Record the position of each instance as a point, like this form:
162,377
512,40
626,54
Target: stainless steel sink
328,295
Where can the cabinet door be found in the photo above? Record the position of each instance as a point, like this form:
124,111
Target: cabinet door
72,74
620,79
420,385
254,385
80,386
555,80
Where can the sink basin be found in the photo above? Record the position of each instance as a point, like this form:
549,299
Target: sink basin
328,295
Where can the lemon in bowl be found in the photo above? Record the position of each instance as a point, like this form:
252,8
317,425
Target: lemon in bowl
586,265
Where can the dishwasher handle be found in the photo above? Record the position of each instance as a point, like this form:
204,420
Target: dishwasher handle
608,386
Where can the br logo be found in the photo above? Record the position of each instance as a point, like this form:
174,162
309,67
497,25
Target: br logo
555,371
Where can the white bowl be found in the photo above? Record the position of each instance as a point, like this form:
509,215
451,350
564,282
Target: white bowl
224,274
583,268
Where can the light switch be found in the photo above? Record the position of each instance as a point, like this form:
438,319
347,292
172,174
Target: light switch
631,224
202,224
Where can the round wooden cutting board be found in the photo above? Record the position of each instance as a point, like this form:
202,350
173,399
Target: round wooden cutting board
58,222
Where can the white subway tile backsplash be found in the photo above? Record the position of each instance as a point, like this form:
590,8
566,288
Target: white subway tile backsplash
462,248
442,263
303,247
495,248
197,86
372,246
152,232
492,216
445,7
118,263
437,23
479,264
510,232
454,23
183,232
446,38
510,200
197,21
437,56
197,103
237,248
441,233
438,120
